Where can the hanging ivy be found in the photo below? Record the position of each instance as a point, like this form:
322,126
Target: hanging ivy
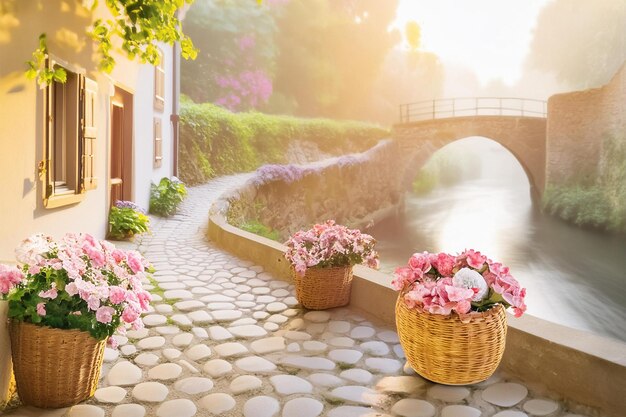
138,24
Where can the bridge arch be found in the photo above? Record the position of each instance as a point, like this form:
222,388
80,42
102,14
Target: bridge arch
524,137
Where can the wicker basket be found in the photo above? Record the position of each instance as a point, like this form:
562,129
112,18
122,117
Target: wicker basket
54,368
322,288
445,350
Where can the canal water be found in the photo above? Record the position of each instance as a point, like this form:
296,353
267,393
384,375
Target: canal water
574,277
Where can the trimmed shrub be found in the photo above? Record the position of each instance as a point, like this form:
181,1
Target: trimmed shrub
215,141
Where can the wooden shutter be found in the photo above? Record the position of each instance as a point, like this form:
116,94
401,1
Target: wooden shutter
90,115
158,142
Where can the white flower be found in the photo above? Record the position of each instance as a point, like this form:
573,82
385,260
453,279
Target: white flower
468,278
30,251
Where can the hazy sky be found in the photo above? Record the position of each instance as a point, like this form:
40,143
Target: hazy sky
491,37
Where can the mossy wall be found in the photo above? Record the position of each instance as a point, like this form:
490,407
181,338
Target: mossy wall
215,141
586,156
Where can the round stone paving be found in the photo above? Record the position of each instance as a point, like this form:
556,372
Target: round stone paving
459,411
194,385
217,403
129,410
539,407
152,392
413,408
303,407
262,406
332,363
505,394
177,408
110,394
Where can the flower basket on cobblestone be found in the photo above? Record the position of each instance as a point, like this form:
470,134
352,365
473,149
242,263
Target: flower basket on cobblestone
446,350
66,299
450,314
53,367
322,258
322,288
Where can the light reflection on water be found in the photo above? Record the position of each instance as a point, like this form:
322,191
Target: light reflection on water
574,277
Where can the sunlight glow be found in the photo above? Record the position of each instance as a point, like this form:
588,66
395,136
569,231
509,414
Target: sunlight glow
490,37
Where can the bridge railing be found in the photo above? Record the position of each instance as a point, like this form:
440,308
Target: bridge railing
472,106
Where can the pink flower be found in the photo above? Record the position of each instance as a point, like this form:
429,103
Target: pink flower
420,261
51,293
93,302
130,315
117,295
444,263
458,294
105,314
134,261
463,307
71,289
112,343
10,276
41,309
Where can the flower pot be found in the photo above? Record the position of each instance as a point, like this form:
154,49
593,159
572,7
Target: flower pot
322,288
446,350
54,368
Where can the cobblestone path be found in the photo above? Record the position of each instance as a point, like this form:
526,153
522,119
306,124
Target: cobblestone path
225,338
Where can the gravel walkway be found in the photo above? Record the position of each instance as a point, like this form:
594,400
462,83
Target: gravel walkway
225,338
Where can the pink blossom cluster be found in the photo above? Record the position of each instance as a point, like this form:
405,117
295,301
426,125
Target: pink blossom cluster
247,89
78,268
10,276
442,283
329,245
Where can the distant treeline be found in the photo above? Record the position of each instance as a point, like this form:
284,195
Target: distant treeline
215,141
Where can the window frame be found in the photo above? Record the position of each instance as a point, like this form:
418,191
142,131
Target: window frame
159,83
46,166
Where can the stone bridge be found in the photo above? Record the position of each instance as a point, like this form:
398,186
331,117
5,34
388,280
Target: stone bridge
519,125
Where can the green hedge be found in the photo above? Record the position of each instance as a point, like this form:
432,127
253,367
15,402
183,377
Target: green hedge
601,205
214,141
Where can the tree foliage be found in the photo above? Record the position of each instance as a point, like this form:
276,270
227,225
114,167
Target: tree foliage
237,53
302,57
582,42
137,24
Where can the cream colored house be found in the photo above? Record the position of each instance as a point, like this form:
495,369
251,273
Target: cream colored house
68,151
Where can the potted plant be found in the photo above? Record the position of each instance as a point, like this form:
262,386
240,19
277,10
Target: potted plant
167,196
66,300
127,219
322,259
450,314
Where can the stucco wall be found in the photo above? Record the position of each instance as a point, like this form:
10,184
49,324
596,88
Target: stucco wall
351,189
21,123
578,122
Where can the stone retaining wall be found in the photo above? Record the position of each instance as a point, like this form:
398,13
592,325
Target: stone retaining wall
352,189
578,122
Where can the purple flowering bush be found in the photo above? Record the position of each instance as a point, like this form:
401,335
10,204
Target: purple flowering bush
77,282
330,245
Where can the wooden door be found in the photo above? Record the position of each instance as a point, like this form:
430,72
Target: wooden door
121,146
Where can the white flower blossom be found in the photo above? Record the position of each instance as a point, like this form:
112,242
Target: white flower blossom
30,251
468,278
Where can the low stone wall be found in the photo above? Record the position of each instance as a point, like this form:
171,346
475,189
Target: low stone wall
352,189
580,367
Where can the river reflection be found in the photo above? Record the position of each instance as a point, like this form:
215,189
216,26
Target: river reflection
574,277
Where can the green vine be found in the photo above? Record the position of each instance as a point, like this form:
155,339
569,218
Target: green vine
37,67
139,24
